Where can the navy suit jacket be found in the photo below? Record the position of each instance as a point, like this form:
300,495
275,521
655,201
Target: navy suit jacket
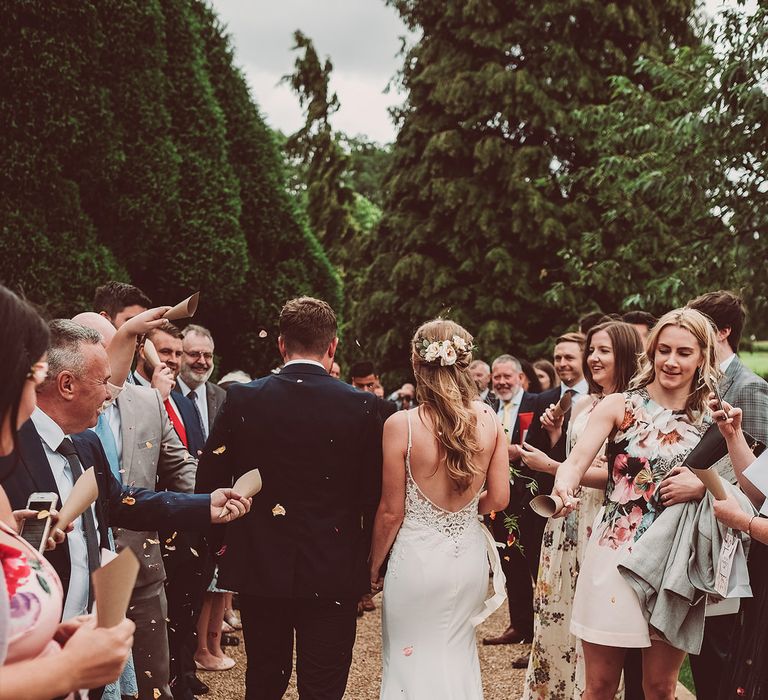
150,511
195,437
317,443
538,437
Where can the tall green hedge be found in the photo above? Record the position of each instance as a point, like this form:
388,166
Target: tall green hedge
131,149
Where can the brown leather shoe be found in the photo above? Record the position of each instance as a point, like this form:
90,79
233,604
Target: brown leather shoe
508,636
521,661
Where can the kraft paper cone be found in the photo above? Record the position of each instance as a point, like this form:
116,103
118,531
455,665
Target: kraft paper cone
84,492
184,309
712,480
150,353
546,506
249,484
563,405
112,587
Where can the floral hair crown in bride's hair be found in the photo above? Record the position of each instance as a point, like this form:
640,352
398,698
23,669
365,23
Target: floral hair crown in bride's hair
444,352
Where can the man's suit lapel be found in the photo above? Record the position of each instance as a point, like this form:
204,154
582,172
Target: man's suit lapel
34,460
127,433
212,397
90,457
730,375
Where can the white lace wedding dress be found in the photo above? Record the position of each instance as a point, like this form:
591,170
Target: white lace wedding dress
434,596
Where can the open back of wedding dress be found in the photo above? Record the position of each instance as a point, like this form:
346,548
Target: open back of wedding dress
435,593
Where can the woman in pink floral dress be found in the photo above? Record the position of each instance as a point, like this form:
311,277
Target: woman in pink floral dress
650,429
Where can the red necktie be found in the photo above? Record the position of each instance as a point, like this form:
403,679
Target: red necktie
177,424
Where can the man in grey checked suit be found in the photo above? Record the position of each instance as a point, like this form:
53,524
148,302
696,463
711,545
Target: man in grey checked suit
149,454
742,388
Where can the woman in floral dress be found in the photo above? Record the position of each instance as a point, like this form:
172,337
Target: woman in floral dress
650,429
556,664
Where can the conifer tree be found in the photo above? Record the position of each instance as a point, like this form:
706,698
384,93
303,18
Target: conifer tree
286,259
52,111
477,211
329,202
205,246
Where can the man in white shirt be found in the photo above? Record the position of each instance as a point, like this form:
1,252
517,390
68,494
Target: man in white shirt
514,402
194,372
55,448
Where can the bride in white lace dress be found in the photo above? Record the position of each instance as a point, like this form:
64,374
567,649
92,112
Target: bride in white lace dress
445,462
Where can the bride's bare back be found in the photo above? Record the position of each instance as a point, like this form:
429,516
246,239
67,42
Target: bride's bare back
428,464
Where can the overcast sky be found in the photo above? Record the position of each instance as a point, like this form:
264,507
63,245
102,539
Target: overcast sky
362,38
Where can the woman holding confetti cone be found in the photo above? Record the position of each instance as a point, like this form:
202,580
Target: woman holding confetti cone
556,664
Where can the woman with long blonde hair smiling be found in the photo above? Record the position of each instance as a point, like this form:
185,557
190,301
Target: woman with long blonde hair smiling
650,429
445,462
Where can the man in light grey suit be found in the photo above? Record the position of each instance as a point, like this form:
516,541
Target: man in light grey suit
143,447
742,388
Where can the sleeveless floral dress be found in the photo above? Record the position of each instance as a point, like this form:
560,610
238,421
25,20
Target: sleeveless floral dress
556,665
649,443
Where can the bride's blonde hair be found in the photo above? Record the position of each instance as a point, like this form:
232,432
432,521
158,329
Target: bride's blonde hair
445,389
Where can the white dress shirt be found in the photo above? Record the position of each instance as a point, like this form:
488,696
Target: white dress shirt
79,579
202,401
725,364
306,362
581,388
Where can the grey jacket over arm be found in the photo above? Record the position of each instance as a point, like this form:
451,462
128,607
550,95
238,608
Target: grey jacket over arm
672,566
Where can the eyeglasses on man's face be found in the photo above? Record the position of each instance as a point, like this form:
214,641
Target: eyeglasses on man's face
197,355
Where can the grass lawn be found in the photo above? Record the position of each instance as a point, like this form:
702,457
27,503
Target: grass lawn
685,675
756,361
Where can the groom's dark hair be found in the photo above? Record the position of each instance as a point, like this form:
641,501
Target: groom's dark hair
307,325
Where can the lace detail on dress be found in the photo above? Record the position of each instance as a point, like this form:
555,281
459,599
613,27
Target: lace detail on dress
420,510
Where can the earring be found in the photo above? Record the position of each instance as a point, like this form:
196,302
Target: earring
700,381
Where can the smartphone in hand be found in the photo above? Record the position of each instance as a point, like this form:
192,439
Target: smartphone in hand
36,529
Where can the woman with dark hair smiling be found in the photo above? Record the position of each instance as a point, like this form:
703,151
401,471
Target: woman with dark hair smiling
556,664
77,654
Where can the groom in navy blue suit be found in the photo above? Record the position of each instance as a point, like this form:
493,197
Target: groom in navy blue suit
299,559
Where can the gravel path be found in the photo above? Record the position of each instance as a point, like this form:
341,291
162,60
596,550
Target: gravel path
500,680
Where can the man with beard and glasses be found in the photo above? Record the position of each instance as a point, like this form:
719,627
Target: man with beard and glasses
195,370
512,402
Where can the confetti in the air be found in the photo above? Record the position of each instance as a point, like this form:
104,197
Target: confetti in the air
278,510
263,333
220,450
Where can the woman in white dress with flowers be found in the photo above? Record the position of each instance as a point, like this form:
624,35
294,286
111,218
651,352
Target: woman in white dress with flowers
445,463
